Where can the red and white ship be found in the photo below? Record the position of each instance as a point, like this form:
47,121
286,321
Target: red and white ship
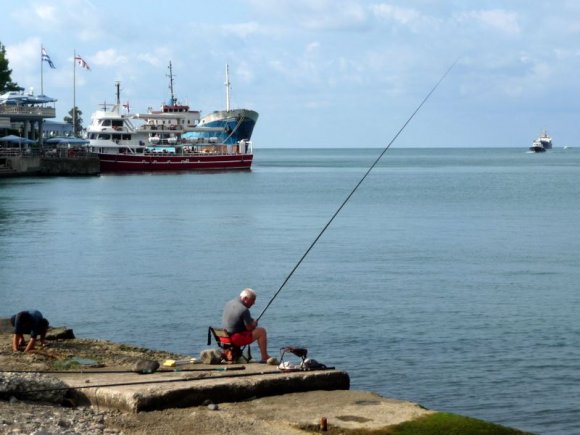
158,143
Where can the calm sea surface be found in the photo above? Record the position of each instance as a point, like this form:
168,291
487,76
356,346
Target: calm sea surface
450,278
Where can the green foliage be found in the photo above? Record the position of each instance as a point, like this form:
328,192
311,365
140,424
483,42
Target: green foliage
440,423
451,424
6,83
70,119
65,365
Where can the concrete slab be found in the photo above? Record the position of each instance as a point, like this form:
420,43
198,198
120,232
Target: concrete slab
342,410
195,385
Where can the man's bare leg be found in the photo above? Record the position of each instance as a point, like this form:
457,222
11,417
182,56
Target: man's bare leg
261,336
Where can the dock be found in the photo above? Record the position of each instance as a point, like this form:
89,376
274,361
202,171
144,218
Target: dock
196,385
188,396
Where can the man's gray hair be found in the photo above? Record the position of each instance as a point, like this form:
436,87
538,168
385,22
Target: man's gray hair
248,293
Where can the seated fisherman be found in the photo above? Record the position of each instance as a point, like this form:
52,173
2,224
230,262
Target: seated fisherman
28,322
242,328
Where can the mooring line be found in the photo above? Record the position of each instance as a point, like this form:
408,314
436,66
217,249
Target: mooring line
358,184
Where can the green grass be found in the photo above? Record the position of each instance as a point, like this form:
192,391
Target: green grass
65,365
440,423
450,424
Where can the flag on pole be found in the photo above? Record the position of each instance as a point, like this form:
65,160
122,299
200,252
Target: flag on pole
126,106
46,58
82,62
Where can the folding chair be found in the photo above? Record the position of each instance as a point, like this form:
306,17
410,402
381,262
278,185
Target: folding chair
231,353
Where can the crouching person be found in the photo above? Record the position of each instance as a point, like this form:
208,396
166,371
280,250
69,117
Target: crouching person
28,322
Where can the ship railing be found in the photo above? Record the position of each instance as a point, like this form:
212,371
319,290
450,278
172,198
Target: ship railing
69,153
45,112
149,127
15,151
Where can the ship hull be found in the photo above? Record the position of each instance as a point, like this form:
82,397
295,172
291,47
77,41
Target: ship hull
237,124
147,163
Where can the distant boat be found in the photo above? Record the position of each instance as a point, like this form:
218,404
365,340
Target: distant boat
537,147
229,126
542,143
545,140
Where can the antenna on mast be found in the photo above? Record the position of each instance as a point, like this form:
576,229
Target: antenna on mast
173,99
227,87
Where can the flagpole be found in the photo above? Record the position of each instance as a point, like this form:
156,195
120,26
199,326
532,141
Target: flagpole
75,93
41,71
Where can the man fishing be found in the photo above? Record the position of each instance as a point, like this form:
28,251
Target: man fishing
242,328
28,322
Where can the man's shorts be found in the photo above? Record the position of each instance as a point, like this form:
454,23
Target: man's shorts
240,339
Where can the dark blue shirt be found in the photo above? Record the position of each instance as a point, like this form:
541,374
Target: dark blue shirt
28,322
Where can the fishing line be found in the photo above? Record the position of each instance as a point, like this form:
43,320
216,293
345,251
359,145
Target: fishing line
357,185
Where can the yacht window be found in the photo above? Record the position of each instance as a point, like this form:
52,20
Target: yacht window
104,136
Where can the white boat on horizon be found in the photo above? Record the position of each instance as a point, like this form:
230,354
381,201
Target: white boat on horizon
541,143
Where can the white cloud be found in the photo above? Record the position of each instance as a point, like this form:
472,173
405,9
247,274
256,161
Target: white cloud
24,61
506,22
241,30
335,15
314,15
401,15
109,57
244,72
157,57
46,13
312,49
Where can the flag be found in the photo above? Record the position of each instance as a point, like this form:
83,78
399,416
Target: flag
126,106
82,62
46,57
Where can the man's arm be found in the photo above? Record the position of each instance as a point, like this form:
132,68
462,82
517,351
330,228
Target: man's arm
16,339
30,345
251,325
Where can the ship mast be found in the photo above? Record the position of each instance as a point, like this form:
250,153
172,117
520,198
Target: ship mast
118,86
173,99
227,88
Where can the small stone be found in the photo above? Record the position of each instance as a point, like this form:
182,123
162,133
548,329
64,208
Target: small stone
212,407
211,356
13,399
63,423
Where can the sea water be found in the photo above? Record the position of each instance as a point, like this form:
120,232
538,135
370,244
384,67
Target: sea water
450,278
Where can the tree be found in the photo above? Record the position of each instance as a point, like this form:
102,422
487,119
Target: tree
70,120
6,83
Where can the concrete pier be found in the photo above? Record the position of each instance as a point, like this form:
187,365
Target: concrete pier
34,165
133,392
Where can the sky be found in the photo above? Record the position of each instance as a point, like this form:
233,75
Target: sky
321,73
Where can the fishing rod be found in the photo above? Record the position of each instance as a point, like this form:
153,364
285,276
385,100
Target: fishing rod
358,184
160,381
98,372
